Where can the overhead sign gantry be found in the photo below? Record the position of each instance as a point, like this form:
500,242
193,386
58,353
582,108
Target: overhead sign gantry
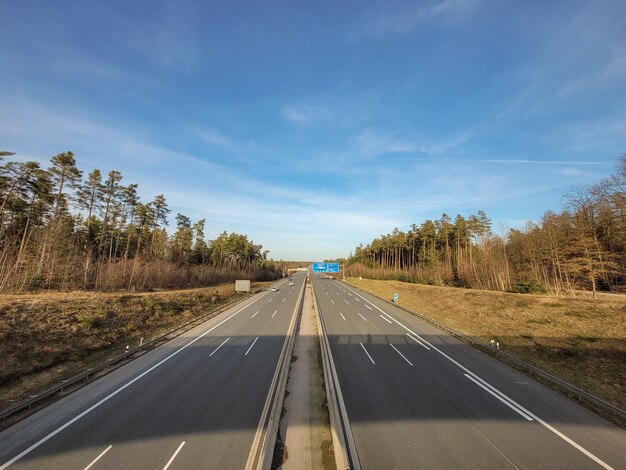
326,267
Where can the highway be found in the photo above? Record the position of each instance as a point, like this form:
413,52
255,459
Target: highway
419,398
194,402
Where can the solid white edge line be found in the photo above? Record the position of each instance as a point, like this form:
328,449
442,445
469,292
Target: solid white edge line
223,343
368,354
98,457
364,319
384,318
169,462
417,341
510,405
251,346
403,356
342,315
535,417
115,392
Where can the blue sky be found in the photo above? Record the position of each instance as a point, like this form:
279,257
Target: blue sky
315,126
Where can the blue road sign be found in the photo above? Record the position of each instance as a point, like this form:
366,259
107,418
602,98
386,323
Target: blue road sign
395,297
326,267
319,267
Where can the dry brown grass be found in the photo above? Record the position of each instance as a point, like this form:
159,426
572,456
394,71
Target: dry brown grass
48,337
579,339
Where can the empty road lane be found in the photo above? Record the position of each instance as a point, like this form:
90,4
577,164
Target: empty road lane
419,398
194,402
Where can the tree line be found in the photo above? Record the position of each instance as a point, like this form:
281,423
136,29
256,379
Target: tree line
581,247
60,229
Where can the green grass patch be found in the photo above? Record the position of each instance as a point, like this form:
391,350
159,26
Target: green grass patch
93,321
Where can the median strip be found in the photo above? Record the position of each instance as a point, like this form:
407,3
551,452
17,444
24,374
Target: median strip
261,452
346,456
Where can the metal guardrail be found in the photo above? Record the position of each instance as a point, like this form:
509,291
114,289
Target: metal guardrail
84,376
579,392
346,456
262,451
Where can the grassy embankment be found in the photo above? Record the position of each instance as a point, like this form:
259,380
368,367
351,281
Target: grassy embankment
579,339
48,337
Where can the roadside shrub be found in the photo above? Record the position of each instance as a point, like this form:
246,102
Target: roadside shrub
35,282
528,287
148,303
169,308
93,321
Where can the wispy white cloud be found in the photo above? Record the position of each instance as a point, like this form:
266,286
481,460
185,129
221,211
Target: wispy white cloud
306,114
169,38
217,138
573,65
337,107
371,144
611,73
604,136
391,20
437,147
572,172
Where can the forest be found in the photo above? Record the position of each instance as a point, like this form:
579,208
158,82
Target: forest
61,229
581,247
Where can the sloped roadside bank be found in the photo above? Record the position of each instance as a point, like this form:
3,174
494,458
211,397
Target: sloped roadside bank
47,338
578,339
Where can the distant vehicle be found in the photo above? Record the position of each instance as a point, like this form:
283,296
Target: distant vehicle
292,283
274,289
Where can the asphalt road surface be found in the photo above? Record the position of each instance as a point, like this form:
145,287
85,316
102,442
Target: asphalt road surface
419,398
194,402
